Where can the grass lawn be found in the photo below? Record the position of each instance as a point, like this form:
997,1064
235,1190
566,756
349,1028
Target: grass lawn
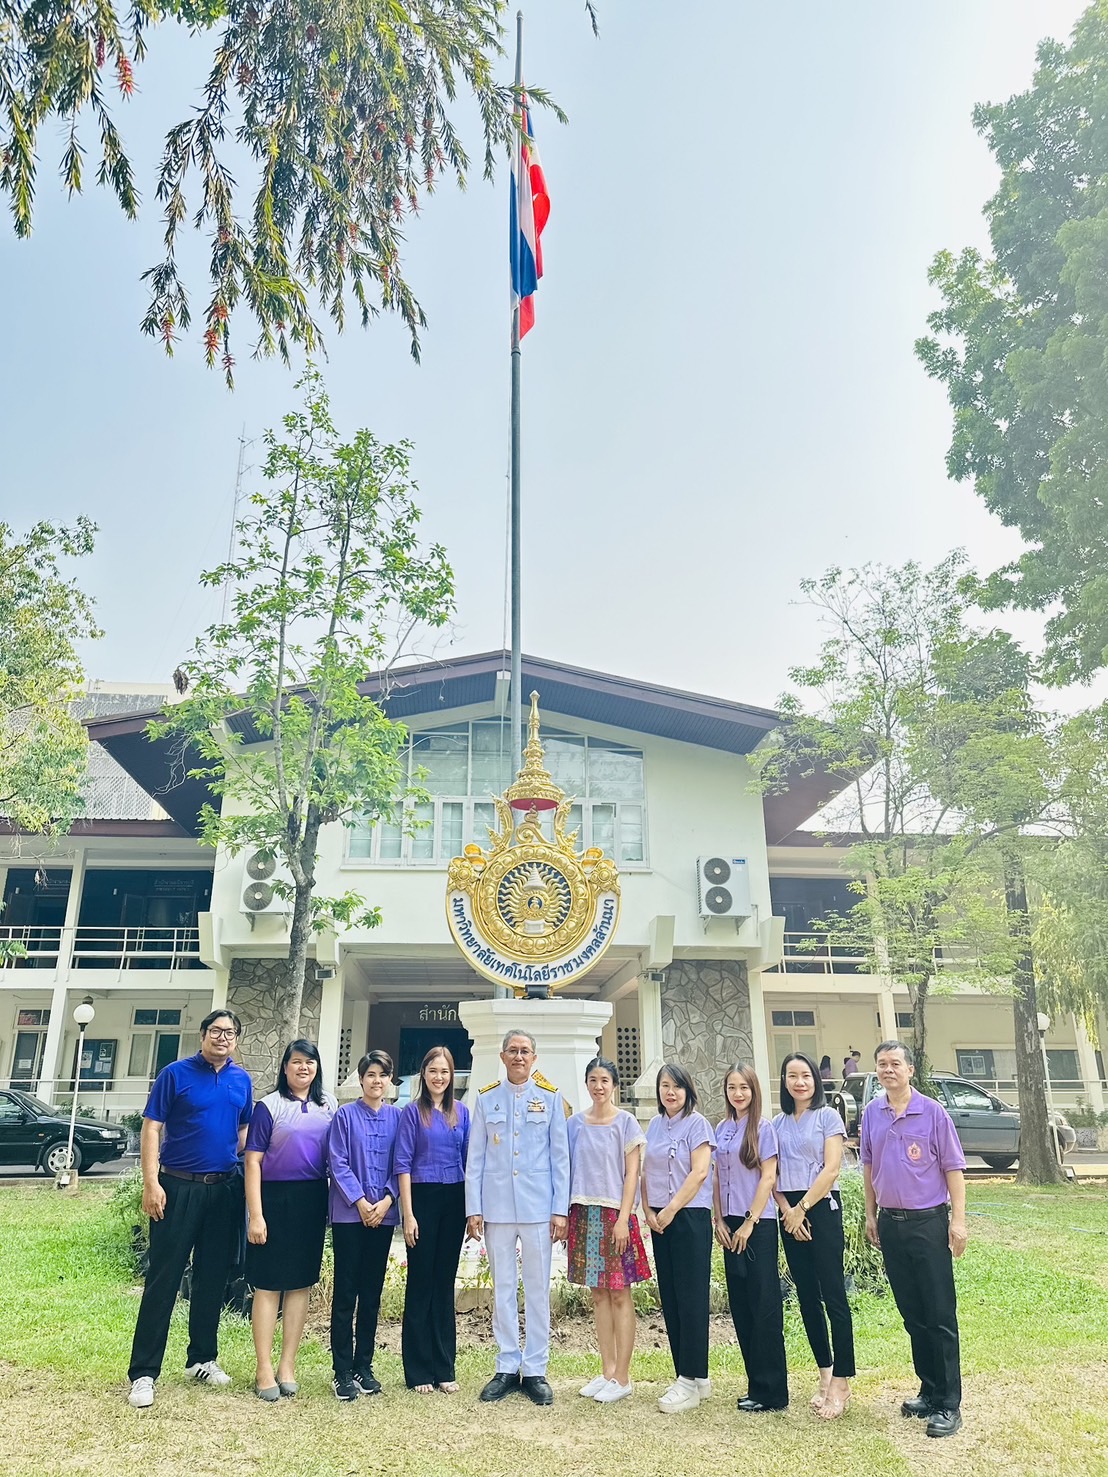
1033,1301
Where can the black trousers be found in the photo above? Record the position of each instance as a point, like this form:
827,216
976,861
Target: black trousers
361,1258
683,1265
429,1337
916,1251
816,1268
754,1294
206,1220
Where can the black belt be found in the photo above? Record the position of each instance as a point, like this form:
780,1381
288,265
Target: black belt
201,1179
915,1215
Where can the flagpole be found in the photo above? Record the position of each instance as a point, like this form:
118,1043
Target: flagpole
516,709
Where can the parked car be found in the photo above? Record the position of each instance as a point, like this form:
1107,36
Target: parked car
32,1132
986,1124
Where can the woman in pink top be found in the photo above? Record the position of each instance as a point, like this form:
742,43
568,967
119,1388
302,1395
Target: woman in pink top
606,1252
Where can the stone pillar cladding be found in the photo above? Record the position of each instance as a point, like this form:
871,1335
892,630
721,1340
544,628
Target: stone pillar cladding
252,995
706,1025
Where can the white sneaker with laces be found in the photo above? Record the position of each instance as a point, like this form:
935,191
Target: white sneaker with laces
612,1392
678,1397
208,1373
593,1388
142,1392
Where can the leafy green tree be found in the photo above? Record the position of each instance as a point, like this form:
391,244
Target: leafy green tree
989,754
858,715
1071,920
43,615
345,108
330,580
1020,343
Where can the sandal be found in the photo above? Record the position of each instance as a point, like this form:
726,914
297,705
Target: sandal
833,1407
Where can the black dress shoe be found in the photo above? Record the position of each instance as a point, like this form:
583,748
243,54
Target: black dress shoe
917,1406
536,1388
499,1386
755,1407
944,1422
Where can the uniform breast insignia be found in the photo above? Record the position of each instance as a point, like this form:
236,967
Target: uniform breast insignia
540,1081
496,1138
536,1105
914,1151
490,1086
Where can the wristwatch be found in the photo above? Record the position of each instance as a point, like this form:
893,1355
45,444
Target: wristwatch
805,1207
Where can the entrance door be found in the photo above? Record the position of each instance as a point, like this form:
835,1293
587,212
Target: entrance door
166,1049
27,1061
792,1031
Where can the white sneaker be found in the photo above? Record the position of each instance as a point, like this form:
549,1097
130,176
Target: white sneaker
209,1373
679,1397
142,1392
704,1389
594,1387
612,1392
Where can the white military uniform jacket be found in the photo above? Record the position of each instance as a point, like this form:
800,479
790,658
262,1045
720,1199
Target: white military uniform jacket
518,1167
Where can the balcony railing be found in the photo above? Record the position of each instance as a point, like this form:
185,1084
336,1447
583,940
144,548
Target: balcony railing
93,947
814,953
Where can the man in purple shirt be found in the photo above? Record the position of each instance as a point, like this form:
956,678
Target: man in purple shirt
913,1166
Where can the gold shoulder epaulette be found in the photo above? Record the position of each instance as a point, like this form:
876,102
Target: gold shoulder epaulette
540,1081
490,1087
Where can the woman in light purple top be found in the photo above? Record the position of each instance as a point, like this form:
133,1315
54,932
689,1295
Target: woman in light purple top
432,1143
286,1202
606,1252
746,1228
809,1153
363,1216
677,1199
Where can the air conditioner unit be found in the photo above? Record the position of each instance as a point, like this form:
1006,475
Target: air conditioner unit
259,895
723,887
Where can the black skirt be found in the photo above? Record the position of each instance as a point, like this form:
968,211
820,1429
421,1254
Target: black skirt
296,1222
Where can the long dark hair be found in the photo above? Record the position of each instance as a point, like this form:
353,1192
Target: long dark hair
426,1106
680,1078
308,1049
819,1097
748,1149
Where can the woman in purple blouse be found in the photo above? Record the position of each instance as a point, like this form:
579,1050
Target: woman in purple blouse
606,1252
677,1199
286,1200
432,1143
363,1217
809,1154
746,1228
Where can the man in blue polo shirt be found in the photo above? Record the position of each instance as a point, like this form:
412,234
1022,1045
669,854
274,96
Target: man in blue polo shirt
193,1131
913,1167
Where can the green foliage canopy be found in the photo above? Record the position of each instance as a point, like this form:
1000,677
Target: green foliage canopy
43,614
1021,341
344,106
330,580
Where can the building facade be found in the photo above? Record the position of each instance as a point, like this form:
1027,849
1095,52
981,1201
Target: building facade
133,911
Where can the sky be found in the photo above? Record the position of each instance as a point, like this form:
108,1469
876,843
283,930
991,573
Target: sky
720,396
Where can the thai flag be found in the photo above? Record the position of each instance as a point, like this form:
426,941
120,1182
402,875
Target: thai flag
530,209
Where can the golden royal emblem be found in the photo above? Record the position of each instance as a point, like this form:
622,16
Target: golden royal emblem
532,913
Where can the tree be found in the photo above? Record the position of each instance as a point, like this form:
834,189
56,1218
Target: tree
344,107
43,748
1071,921
986,752
859,716
1020,344
330,582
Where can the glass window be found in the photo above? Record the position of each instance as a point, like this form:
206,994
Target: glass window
1063,1064
804,1017
444,760
491,758
614,771
630,833
565,759
138,1063
904,1020
423,834
146,1017
781,1017
450,843
968,1099
604,828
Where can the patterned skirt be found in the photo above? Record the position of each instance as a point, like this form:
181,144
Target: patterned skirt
592,1262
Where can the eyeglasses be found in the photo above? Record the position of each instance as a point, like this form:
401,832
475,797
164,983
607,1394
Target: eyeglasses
519,1051
225,1033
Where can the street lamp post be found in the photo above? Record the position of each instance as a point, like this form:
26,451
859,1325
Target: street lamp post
84,1015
